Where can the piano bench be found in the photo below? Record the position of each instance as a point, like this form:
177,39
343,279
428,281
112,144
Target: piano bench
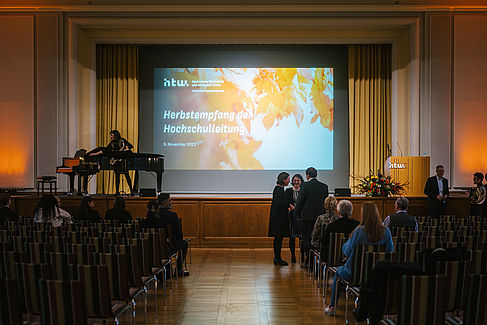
42,180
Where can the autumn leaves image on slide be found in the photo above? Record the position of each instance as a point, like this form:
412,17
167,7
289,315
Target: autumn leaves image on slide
244,118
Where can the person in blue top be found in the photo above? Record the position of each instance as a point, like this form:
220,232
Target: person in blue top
369,232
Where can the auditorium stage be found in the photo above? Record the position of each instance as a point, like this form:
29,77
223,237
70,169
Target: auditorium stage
229,221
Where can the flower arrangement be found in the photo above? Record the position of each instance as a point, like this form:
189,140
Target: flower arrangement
379,186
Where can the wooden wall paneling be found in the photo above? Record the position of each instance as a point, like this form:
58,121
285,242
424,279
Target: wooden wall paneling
190,213
230,222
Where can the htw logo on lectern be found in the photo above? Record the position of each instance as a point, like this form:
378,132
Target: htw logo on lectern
174,83
397,166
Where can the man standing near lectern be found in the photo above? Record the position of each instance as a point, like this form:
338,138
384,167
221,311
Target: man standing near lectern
437,191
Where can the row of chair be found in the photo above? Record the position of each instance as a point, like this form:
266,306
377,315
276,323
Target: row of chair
132,261
409,247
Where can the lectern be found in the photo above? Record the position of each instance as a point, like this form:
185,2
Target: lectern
411,170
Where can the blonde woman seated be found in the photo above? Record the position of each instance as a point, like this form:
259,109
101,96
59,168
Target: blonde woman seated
48,211
323,220
370,232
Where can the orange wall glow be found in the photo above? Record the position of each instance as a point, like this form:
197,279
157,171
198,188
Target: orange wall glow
17,145
470,142
17,102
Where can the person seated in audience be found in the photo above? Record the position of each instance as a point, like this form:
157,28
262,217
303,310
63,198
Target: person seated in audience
171,219
477,195
401,218
48,211
118,212
6,214
323,220
59,204
153,219
343,224
370,232
87,210
485,202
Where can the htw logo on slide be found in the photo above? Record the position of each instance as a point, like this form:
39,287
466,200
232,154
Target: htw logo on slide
174,83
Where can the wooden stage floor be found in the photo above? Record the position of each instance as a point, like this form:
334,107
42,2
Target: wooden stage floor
242,286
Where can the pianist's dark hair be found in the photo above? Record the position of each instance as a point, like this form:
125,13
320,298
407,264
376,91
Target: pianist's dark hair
84,207
48,205
116,134
119,203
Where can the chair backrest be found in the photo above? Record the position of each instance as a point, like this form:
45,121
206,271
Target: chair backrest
145,254
133,262
478,263
421,300
475,311
406,252
37,251
8,263
333,255
83,252
117,273
371,259
102,245
455,282
95,288
358,261
10,312
62,302
31,273
60,264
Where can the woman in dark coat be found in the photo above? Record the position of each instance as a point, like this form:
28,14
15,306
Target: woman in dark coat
118,212
86,210
294,230
279,218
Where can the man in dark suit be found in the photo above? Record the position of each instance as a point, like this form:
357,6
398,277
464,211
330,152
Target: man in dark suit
171,219
6,214
436,189
401,218
309,205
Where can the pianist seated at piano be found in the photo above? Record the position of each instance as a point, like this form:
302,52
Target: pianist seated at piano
118,212
87,210
116,144
48,211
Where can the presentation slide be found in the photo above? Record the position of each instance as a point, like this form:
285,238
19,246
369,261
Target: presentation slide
244,118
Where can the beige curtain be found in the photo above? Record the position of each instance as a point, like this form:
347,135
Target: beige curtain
369,86
117,103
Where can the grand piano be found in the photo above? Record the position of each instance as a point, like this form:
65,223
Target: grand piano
86,166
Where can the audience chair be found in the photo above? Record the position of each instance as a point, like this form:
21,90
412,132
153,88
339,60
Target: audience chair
31,273
134,272
333,257
478,262
10,312
117,277
62,302
96,292
83,253
358,262
474,312
421,301
60,264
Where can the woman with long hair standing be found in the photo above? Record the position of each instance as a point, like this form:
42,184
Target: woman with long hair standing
279,219
369,232
294,229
